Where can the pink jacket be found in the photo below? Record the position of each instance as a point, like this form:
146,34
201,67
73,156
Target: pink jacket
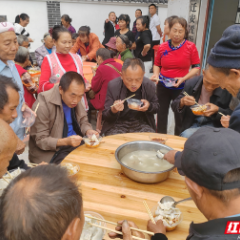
41,52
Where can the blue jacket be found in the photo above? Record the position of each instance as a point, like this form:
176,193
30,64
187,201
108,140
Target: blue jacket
235,119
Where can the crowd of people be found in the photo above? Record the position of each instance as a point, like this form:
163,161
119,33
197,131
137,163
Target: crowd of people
64,99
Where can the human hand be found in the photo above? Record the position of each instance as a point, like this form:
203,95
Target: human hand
145,105
29,63
187,101
90,132
118,107
212,110
84,58
107,20
25,107
180,80
20,147
143,54
94,69
88,86
154,78
74,141
225,121
124,227
170,156
42,163
161,34
156,228
30,39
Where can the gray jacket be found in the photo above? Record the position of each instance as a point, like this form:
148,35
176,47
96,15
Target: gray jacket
41,52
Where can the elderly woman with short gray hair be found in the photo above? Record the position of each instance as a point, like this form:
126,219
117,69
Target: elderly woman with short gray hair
123,44
46,49
23,41
30,87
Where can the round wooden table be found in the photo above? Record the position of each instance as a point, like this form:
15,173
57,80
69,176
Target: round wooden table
87,70
107,191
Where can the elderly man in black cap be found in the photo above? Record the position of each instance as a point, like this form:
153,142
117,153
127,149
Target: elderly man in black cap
210,162
224,61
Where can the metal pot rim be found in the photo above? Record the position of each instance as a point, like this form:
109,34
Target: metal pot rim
135,170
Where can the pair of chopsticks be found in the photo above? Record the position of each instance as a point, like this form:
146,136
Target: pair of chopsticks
149,211
35,112
32,165
186,94
132,228
9,174
123,100
113,223
118,232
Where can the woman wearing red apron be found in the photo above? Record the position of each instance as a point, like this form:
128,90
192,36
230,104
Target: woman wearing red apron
59,62
172,63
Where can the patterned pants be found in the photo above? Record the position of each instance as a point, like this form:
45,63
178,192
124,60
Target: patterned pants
129,127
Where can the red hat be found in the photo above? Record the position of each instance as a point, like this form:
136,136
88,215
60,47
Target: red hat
112,43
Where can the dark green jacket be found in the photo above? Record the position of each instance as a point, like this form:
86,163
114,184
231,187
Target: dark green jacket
125,55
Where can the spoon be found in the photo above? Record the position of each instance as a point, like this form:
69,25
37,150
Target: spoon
170,199
159,154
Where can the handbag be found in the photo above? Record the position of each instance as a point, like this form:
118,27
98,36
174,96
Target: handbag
91,94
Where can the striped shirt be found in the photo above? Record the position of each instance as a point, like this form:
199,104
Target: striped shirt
20,30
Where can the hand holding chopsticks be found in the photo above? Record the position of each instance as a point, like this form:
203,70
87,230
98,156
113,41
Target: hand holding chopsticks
113,223
186,94
115,231
123,100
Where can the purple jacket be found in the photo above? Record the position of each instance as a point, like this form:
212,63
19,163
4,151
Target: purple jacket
41,52
72,29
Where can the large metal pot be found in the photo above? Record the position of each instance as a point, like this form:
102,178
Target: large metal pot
141,176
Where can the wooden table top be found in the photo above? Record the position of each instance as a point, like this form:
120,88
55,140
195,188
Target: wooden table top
107,191
87,70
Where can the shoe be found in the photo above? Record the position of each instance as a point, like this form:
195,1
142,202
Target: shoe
151,70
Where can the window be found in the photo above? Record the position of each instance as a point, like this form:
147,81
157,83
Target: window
3,18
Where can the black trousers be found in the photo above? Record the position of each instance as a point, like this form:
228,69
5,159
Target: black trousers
15,163
154,43
165,96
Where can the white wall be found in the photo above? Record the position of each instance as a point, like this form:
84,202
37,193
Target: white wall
201,25
38,17
91,14
94,15
179,8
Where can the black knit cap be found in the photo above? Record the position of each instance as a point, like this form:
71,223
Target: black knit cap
226,52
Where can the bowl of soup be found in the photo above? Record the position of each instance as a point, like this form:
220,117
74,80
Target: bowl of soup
140,163
134,104
198,110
